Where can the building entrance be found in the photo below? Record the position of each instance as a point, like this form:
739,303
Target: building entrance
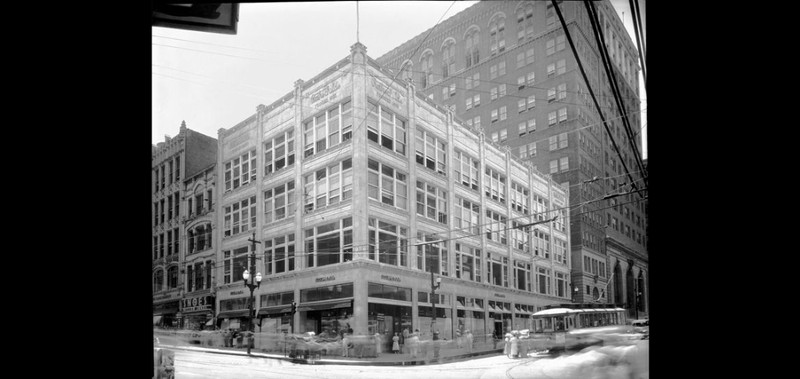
387,320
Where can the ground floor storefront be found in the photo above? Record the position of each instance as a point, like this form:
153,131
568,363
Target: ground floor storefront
368,299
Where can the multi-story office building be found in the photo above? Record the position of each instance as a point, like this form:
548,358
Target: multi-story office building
200,254
507,68
358,191
173,160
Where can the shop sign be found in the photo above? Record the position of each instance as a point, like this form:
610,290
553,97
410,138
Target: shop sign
201,303
381,317
390,278
500,295
325,279
240,292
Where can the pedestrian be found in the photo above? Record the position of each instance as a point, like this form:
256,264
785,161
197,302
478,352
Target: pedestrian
378,341
507,347
469,340
345,344
404,340
226,338
413,343
514,350
396,343
459,339
436,344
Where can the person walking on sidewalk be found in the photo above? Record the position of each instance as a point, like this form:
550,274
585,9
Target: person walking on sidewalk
346,344
413,343
378,342
469,340
396,343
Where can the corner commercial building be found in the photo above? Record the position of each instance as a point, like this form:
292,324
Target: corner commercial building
356,188
506,67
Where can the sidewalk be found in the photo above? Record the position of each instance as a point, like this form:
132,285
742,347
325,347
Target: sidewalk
385,359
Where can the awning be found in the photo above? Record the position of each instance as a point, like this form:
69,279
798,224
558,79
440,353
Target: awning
274,310
156,320
210,322
319,306
234,314
165,311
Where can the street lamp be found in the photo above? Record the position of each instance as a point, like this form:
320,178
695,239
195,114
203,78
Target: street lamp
255,282
574,293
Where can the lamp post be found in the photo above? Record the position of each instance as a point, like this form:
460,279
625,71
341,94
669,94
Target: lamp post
435,283
255,282
574,293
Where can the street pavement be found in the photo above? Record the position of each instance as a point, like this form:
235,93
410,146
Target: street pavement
606,362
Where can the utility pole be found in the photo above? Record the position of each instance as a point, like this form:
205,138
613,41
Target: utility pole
252,286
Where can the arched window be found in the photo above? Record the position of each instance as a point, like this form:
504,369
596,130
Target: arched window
596,293
190,238
497,41
427,68
471,50
172,277
406,69
158,281
448,58
524,21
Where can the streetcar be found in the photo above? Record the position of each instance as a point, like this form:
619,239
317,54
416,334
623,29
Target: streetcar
564,328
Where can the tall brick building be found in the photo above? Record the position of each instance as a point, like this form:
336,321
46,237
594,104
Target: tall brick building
507,69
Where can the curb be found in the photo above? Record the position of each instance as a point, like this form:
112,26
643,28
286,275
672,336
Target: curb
418,362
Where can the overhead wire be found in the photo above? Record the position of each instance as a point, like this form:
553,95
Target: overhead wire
592,11
591,92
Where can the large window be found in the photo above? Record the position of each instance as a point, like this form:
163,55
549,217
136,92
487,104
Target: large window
172,277
389,241
427,68
279,202
336,291
543,280
541,243
234,263
448,58
158,280
520,201
468,262
467,214
430,152
387,185
431,202
472,50
522,272
328,185
559,250
328,129
329,243
525,22
386,291
386,128
466,170
495,227
519,236
497,270
275,299
432,256
279,254
279,152
240,170
497,42
494,185
240,217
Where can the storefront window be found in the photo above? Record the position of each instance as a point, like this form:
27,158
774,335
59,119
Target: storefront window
336,291
389,292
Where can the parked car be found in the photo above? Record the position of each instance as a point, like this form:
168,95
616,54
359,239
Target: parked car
641,326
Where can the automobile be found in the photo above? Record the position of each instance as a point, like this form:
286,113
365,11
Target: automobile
641,326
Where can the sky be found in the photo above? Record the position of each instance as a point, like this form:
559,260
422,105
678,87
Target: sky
213,80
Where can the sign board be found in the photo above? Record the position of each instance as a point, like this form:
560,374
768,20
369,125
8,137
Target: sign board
204,17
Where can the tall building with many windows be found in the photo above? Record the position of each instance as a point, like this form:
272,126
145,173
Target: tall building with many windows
173,161
507,68
358,191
